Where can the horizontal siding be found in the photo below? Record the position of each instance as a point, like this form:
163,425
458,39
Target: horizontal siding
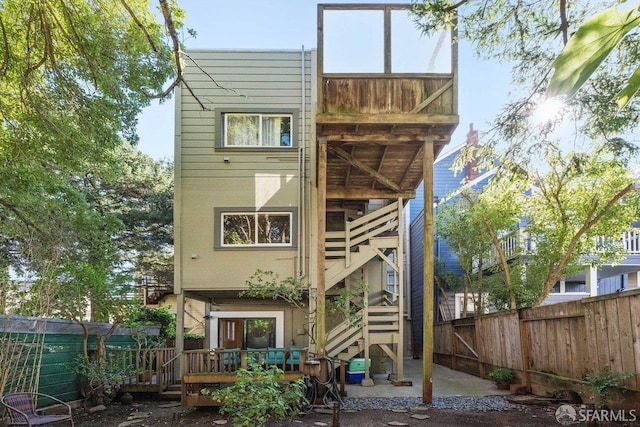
248,79
252,178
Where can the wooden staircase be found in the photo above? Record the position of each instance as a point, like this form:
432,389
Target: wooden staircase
362,240
172,392
347,252
374,235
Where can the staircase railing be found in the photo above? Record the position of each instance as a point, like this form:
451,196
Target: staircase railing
339,244
381,320
343,336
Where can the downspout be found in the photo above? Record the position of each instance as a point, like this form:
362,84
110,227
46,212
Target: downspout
302,241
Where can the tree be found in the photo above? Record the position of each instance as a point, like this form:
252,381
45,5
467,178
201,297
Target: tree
578,209
456,224
592,43
573,209
474,226
527,36
75,74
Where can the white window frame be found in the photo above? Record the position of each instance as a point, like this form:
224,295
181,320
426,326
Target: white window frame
256,217
260,138
216,315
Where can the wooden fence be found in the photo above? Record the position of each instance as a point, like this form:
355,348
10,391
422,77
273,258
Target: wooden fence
549,346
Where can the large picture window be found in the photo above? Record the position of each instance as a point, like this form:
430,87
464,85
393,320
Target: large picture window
257,130
256,228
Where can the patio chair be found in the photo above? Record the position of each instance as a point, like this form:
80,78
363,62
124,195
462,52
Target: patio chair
23,412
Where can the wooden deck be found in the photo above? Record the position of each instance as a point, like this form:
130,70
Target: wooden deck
212,369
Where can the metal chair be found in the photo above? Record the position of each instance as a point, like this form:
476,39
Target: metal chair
23,411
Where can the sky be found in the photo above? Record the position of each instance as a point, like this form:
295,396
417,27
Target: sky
291,24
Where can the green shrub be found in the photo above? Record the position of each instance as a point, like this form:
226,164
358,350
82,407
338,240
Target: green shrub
257,397
601,384
154,316
501,375
103,378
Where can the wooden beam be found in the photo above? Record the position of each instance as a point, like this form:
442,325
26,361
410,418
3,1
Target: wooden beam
364,168
383,138
389,352
367,193
413,161
384,155
387,40
348,174
322,229
390,119
366,6
432,97
387,259
320,59
427,297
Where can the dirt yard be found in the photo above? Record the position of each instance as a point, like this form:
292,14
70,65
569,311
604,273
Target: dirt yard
161,413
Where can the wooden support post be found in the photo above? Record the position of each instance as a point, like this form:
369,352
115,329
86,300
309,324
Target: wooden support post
524,349
400,263
179,331
366,381
322,218
427,298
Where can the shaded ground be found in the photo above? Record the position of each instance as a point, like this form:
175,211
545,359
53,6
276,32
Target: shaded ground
160,413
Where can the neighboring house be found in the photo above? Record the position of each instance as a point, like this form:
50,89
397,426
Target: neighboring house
305,173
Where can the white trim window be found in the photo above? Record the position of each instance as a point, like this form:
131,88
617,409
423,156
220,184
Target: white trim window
257,130
256,229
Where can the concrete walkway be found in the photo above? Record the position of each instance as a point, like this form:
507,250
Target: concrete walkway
446,382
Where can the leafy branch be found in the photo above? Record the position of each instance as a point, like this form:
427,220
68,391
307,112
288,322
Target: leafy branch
267,285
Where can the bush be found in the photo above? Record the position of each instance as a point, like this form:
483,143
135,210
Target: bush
501,375
257,397
601,384
154,316
103,378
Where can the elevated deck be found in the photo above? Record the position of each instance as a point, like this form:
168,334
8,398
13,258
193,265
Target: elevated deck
375,124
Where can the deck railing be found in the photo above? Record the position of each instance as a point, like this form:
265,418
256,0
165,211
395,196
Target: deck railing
153,368
629,241
518,243
289,359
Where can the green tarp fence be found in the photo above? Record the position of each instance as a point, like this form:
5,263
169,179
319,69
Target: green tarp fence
57,344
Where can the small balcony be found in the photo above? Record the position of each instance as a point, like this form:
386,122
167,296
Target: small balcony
378,101
517,243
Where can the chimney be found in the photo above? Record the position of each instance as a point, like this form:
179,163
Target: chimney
472,166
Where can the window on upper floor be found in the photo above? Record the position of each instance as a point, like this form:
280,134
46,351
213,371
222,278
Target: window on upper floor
237,229
261,130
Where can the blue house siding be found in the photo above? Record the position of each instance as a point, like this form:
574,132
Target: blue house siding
416,265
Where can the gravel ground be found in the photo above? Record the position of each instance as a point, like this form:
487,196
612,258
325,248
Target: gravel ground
457,403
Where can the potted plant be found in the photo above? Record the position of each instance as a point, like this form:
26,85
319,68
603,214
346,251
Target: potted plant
503,377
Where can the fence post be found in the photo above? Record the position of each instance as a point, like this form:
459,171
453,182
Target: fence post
524,350
454,347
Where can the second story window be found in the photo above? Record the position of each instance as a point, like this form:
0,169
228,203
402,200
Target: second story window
257,130
256,228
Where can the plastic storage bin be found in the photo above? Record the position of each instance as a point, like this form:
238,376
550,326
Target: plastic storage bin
354,377
357,365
